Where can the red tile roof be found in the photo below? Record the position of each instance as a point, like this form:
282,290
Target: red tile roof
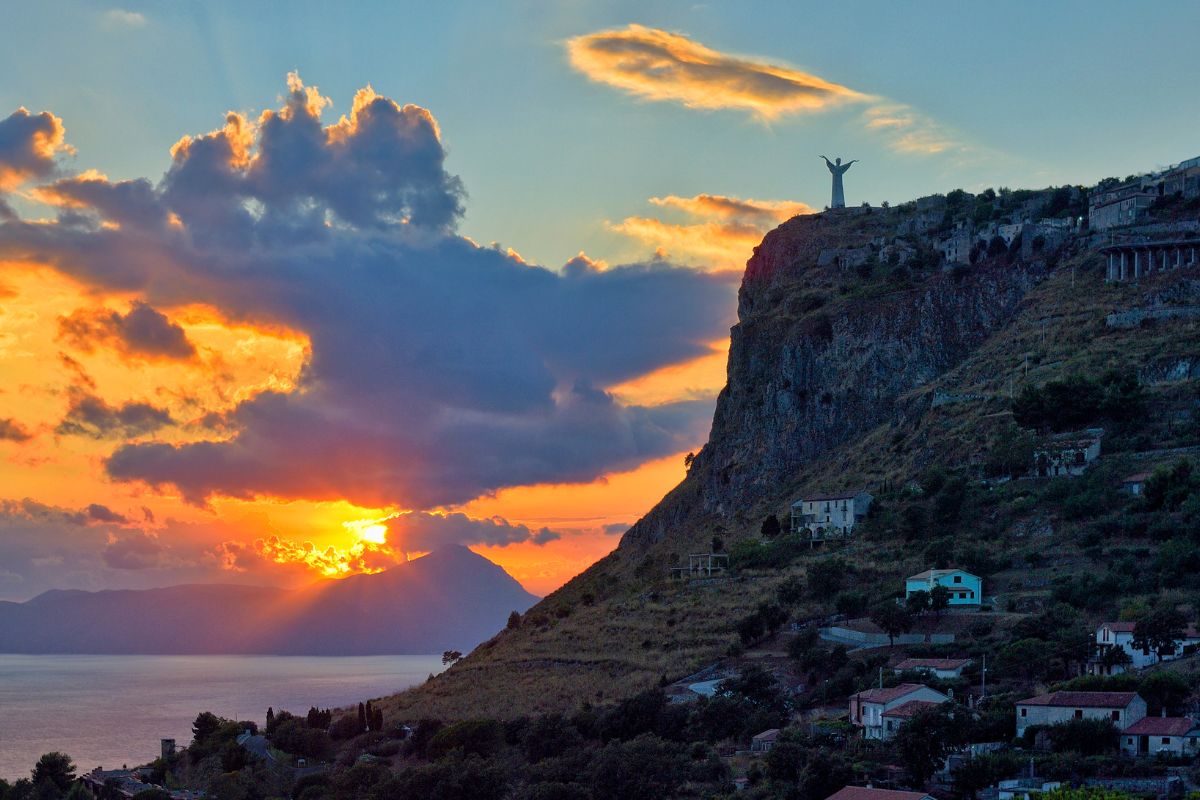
1120,627
910,709
889,694
933,663
1081,699
867,793
769,735
1137,477
1161,726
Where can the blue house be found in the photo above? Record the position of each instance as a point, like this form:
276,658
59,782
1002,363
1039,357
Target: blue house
965,589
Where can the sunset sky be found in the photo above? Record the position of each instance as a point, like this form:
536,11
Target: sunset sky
300,291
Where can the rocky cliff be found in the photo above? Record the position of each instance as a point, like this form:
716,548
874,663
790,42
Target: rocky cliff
850,329
822,354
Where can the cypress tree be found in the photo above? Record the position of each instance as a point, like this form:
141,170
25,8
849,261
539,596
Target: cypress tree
362,718
270,719
370,716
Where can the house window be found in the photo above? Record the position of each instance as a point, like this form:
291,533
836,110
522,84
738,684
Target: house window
1116,716
1024,712
1166,740
1129,740
958,578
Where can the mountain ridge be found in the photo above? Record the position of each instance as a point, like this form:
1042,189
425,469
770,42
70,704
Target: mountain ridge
450,599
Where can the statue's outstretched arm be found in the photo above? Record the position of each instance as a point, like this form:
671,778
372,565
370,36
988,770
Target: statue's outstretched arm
848,163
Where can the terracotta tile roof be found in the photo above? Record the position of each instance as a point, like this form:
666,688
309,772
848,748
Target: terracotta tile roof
1137,477
1161,726
1081,699
932,663
889,694
866,793
910,709
769,735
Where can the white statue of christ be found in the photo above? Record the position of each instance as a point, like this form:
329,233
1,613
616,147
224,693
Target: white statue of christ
838,169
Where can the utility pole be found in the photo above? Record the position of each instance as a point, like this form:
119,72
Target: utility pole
983,679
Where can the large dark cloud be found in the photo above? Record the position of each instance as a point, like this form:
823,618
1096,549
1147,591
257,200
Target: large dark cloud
143,332
440,370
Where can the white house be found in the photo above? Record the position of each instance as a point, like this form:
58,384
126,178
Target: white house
1066,454
1122,708
868,707
944,668
893,718
965,589
826,515
1150,736
1120,634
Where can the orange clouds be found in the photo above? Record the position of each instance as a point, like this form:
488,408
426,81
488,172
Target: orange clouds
331,562
658,65
723,233
909,131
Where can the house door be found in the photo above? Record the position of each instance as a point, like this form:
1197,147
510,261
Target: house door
1143,745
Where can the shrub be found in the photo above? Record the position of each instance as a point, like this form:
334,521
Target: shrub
480,737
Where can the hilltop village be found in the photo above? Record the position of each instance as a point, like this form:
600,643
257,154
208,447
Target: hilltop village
942,543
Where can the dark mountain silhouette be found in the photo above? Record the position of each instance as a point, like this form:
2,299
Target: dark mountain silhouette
451,599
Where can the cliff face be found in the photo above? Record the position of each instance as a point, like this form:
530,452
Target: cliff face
823,353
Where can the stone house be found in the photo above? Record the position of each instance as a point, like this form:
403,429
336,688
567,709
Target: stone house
943,668
1150,736
826,515
1184,179
1121,708
868,707
956,248
965,589
763,742
1123,204
1065,454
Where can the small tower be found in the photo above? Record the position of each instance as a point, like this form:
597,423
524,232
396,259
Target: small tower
168,748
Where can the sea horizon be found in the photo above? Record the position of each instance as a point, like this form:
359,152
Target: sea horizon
113,710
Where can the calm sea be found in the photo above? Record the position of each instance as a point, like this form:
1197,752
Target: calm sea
112,710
